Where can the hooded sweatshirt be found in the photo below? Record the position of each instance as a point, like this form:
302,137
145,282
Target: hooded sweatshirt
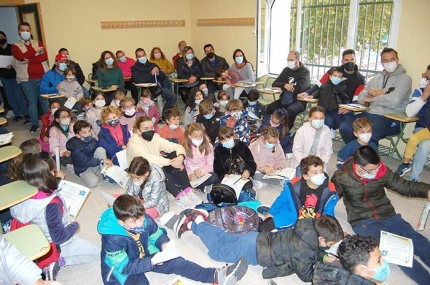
299,77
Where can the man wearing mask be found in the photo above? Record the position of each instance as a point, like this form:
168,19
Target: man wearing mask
293,80
210,63
30,63
52,78
181,46
361,183
385,93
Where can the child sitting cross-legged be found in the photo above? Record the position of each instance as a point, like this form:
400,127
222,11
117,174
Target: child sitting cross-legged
131,240
71,88
236,119
171,130
147,108
209,117
279,120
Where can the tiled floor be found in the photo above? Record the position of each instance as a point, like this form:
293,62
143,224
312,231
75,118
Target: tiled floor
189,245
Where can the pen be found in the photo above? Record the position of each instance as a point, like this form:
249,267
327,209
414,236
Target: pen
237,180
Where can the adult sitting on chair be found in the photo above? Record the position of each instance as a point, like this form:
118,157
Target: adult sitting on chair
293,80
144,71
386,93
52,78
125,63
209,63
109,75
158,57
188,67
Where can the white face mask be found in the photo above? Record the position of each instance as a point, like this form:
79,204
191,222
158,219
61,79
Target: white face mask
205,91
100,103
291,64
65,122
173,126
197,143
390,66
317,124
53,111
423,83
365,137
318,179
138,182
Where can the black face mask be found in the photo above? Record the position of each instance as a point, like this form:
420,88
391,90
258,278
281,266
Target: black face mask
148,135
210,55
3,41
349,66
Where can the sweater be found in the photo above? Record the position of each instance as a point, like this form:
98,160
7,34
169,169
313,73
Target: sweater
151,112
57,139
190,115
164,64
303,140
126,66
241,128
71,89
245,72
267,157
348,150
37,63
209,70
110,76
299,77
418,107
396,100
176,136
92,116
199,160
109,143
50,81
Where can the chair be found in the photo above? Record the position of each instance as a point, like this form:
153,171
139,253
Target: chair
266,99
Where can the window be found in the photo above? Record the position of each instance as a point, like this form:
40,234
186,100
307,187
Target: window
322,29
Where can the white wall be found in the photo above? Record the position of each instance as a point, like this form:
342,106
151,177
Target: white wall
9,23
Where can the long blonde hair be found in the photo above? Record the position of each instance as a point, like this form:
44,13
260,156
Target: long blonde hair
205,146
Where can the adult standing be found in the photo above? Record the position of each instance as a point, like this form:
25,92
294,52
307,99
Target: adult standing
125,63
109,75
30,61
13,90
293,80
210,63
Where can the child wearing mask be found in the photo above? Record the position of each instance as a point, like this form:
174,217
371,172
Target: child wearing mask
171,130
119,95
236,119
129,113
47,119
71,88
209,117
313,138
362,128
92,109
253,105
60,131
279,120
192,109
206,95
222,100
147,108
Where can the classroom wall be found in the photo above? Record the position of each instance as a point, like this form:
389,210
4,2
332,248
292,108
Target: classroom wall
8,23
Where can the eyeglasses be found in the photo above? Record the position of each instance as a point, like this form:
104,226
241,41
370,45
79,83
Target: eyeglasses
372,171
426,77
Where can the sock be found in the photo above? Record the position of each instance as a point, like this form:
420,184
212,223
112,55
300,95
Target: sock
187,190
199,219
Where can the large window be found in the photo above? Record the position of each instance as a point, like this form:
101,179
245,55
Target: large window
322,29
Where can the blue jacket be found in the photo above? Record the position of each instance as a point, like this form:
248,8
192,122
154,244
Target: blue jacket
422,114
285,209
120,254
286,142
50,81
107,142
82,154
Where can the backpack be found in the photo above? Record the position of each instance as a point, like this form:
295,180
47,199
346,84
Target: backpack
223,193
235,219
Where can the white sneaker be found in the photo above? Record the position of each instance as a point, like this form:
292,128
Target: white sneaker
185,202
10,114
194,198
333,133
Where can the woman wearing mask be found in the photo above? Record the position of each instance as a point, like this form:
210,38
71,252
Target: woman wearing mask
243,68
189,68
125,63
109,75
158,57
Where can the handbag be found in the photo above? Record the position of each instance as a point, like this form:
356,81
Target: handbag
156,90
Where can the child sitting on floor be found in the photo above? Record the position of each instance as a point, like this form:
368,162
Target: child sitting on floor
92,109
129,113
253,105
210,118
222,101
47,119
71,88
192,109
279,120
147,108
205,91
236,119
119,95
60,131
171,130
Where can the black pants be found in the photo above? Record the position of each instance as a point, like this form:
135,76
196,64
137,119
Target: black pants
133,89
266,226
109,96
176,180
293,110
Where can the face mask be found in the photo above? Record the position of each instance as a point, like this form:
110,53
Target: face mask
65,122
210,55
157,55
269,145
335,80
239,59
252,103
197,143
130,112
390,66
197,101
65,128
236,115
228,144
318,179
100,103
136,230
25,36
113,123
423,83
86,139
109,61
205,91
173,126
62,66
189,56
223,103
123,58
208,116
147,101
291,64
142,59
138,182
53,111
70,78
365,137
349,66
68,56
274,125
2,41
148,135
381,273
368,176
317,123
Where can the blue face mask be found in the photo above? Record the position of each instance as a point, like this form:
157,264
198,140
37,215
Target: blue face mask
62,66
65,128
109,61
208,116
136,230
335,80
252,103
142,59
189,56
198,101
25,36
368,176
269,145
239,59
382,272
86,139
228,144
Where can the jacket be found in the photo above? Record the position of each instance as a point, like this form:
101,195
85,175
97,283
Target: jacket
302,145
154,192
126,66
107,142
418,107
241,128
212,125
222,154
15,266
365,199
150,150
167,133
299,77
141,73
332,273
46,119
92,116
199,160
83,154
396,100
164,64
120,254
285,209
184,71
258,109
330,95
286,142
190,115
151,112
267,157
291,251
208,70
37,63
58,139
50,80
71,89
110,76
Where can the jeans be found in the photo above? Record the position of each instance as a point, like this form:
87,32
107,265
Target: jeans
225,247
420,157
15,96
31,91
398,226
333,119
293,110
381,127
170,98
79,251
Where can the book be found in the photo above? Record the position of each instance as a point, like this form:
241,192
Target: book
199,180
235,181
169,252
117,174
423,218
5,138
74,196
108,198
396,249
70,103
283,174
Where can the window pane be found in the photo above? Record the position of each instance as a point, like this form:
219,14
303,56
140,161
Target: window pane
263,24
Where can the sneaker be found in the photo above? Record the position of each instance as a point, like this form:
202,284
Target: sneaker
194,198
229,275
17,118
10,114
194,213
403,169
414,180
185,202
333,133
70,168
34,128
263,209
26,120
181,225
52,270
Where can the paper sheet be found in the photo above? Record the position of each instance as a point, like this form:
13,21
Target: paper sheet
5,138
5,60
74,196
423,218
200,180
122,159
116,173
109,198
70,103
396,249
235,181
57,158
169,252
283,174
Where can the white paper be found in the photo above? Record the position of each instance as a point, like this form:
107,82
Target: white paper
196,182
5,138
122,159
169,252
116,173
70,103
283,174
396,249
5,60
109,198
57,158
423,218
74,196
235,181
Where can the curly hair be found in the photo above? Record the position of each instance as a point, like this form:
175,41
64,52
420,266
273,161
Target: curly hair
355,250
106,111
306,162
